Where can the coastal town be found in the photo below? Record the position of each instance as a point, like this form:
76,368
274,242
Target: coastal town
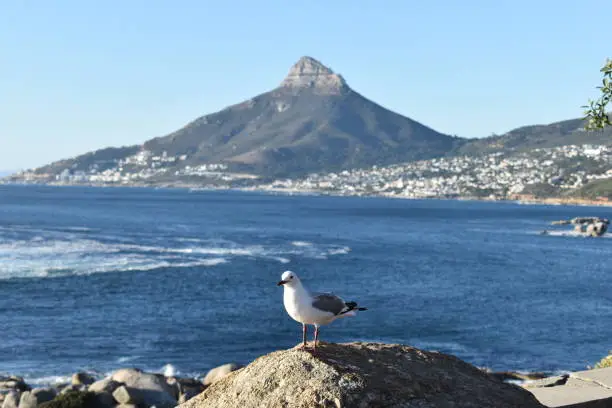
493,176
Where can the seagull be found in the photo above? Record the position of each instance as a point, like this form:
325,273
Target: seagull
317,309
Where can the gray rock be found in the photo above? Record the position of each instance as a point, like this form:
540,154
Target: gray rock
125,375
106,385
126,395
188,394
11,400
218,373
174,385
13,382
82,379
190,387
361,375
152,389
105,400
31,399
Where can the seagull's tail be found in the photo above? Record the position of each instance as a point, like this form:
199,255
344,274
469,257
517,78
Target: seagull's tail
351,308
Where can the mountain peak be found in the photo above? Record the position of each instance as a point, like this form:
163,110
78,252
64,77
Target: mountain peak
311,73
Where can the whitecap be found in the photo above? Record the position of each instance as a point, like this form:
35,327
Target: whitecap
169,370
301,243
339,251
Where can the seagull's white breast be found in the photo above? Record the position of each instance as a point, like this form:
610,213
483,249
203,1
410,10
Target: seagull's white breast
298,304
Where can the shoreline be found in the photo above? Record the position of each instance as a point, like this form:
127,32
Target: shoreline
556,201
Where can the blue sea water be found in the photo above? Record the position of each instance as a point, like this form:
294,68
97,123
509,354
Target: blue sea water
102,278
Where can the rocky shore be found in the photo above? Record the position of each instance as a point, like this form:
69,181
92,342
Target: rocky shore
344,375
340,375
124,388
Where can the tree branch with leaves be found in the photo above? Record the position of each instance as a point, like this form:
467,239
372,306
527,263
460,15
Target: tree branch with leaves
596,115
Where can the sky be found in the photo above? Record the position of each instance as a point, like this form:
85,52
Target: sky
81,75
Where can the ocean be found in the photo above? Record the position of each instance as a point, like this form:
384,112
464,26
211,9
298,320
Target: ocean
181,281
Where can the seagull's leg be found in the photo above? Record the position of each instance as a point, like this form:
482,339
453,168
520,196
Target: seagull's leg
304,336
316,337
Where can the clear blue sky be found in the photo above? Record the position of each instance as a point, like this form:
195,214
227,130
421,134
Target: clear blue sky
79,75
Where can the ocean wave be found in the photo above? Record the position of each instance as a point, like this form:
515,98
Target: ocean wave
46,255
49,380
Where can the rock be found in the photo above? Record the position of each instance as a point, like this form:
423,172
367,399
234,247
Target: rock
82,379
151,389
126,374
218,373
187,395
312,74
174,385
105,400
126,395
106,385
11,400
189,388
12,382
361,375
73,388
31,399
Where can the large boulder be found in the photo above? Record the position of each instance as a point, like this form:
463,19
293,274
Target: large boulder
361,375
13,382
218,373
31,399
11,400
82,379
150,389
105,385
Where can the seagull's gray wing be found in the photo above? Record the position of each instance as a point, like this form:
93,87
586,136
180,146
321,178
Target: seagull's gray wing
328,302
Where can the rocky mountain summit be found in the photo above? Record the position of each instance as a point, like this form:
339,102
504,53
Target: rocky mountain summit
310,73
361,375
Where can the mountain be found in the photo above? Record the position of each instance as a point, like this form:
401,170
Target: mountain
313,121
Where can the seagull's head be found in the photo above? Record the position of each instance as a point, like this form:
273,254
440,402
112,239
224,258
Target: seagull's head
288,278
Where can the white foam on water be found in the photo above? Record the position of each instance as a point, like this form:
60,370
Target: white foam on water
50,253
125,359
49,380
339,251
568,233
301,243
169,370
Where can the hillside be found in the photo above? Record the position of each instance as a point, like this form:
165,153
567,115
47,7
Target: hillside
313,122
567,132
